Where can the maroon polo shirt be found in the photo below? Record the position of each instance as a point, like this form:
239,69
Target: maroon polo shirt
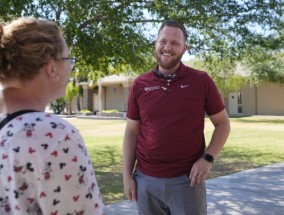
171,116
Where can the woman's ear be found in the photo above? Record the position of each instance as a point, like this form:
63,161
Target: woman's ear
50,70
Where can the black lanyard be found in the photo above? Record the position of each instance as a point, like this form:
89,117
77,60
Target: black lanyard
14,115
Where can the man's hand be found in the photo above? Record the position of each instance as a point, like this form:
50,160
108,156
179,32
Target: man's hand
199,171
130,189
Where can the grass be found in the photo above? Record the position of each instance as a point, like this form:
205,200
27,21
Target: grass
254,141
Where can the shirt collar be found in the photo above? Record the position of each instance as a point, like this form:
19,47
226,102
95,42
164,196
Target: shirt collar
181,71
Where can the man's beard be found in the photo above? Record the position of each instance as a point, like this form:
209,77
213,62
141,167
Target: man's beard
169,64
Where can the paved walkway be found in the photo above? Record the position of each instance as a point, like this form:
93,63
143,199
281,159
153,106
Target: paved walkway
257,191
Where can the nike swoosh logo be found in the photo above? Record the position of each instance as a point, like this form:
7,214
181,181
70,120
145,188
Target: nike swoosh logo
184,86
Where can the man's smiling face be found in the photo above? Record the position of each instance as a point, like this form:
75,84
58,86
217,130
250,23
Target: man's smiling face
170,47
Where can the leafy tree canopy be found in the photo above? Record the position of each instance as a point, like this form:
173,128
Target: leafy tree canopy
264,66
109,36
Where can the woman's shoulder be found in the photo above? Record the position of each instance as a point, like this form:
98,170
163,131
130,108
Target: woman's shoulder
53,122
41,124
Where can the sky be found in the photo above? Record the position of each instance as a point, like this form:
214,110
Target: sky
187,57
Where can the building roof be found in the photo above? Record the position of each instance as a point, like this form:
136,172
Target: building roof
115,79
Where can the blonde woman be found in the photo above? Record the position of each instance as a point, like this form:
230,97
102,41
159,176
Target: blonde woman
44,165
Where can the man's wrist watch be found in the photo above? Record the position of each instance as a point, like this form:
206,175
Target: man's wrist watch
208,157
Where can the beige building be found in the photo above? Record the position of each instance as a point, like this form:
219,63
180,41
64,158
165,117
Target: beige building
264,99
113,93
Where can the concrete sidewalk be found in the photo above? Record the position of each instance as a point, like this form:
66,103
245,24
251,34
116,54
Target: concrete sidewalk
256,191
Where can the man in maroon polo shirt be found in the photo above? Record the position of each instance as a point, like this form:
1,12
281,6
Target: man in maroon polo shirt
164,144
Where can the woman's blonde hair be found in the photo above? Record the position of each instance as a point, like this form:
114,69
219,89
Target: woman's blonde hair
26,45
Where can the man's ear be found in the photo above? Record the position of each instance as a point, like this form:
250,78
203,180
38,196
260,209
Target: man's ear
50,70
185,48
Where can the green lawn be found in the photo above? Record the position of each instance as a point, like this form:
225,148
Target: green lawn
254,141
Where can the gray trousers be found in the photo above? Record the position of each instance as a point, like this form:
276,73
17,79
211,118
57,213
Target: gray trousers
169,196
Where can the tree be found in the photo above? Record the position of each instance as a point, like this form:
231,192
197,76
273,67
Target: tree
267,63
58,106
216,26
223,71
12,9
108,36
72,90
265,66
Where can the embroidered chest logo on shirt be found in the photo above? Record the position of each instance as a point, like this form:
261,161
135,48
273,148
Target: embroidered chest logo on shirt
148,89
184,86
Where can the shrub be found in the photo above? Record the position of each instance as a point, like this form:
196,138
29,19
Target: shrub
58,106
85,111
110,111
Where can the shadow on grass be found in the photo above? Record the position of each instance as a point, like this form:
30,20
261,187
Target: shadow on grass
232,160
259,120
111,186
108,166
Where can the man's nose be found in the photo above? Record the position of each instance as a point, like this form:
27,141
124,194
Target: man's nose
167,46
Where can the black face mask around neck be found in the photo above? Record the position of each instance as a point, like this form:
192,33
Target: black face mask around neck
165,76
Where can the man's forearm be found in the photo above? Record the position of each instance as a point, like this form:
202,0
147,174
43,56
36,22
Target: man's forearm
220,134
129,155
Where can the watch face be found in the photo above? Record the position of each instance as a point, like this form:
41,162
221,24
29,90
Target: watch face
208,158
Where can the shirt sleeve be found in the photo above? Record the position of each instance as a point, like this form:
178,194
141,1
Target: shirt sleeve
133,109
67,181
213,103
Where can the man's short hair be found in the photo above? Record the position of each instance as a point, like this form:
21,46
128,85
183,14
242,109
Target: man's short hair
176,24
